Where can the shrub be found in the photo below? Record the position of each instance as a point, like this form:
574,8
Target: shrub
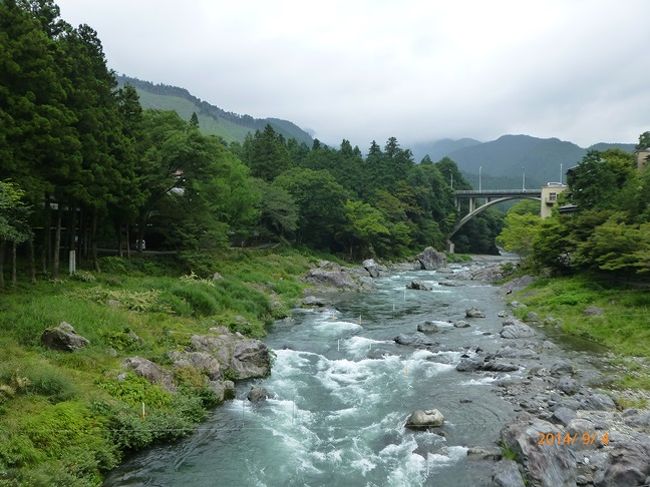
199,296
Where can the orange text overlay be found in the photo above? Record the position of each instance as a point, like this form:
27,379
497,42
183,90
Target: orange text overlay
568,439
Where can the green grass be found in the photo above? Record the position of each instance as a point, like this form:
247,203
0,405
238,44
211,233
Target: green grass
65,419
623,328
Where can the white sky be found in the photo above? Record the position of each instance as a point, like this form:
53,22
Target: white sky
419,70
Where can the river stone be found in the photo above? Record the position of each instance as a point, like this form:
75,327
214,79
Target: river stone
548,466
461,324
516,330
640,419
506,474
223,390
474,313
469,364
593,311
480,453
430,259
498,367
257,394
448,283
418,286
561,368
564,415
332,275
567,385
415,340
201,361
428,327
628,466
431,418
532,317
63,337
597,402
313,301
372,267
150,371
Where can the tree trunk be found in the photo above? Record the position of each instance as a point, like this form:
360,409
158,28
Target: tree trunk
2,264
93,239
14,276
141,232
119,239
32,263
72,231
128,241
47,235
57,243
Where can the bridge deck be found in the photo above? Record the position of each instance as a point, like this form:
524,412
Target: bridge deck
496,193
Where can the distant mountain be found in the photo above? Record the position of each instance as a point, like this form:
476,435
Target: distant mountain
212,119
440,148
504,160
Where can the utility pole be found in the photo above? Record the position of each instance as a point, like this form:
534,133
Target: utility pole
561,174
480,185
523,179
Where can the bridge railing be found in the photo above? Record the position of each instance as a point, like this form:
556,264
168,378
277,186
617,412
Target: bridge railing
496,191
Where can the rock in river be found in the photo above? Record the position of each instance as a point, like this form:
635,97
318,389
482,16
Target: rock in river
430,259
418,286
506,474
428,327
257,394
516,330
63,337
431,418
372,267
474,313
415,340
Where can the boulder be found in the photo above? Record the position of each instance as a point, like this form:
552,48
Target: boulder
150,371
516,330
469,364
448,283
313,301
257,394
627,466
495,366
372,267
532,317
428,327
593,311
597,402
332,275
430,259
224,390
561,368
415,340
461,324
418,286
431,418
567,385
63,337
506,474
201,361
474,313
564,415
545,466
480,453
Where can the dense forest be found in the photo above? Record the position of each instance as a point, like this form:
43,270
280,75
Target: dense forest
85,168
608,228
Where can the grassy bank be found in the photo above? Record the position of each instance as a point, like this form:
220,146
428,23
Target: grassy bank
64,417
621,322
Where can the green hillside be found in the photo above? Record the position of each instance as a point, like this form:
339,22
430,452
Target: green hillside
212,119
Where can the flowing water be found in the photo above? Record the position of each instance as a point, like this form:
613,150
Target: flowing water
343,390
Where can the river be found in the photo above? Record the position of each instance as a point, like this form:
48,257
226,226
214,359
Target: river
342,392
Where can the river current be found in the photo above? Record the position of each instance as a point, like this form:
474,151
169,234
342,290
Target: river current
342,392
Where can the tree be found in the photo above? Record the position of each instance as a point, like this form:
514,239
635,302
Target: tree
266,154
194,120
365,229
521,228
278,209
14,226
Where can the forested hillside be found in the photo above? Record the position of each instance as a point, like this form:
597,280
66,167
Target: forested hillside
85,167
212,120
505,159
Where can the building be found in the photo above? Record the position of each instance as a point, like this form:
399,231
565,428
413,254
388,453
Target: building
550,194
642,156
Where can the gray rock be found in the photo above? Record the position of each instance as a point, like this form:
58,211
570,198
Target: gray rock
257,394
494,366
564,415
474,313
418,286
461,324
517,330
469,364
150,371
597,402
428,327
224,390
333,275
519,283
548,466
372,267
415,340
532,317
63,337
480,453
314,301
448,283
562,368
431,418
567,385
593,311
201,361
640,419
502,314
506,474
430,259
628,466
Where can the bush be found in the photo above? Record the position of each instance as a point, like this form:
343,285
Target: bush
199,296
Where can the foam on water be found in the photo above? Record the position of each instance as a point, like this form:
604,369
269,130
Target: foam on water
358,346
337,327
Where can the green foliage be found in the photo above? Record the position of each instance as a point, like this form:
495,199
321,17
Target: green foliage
521,227
135,390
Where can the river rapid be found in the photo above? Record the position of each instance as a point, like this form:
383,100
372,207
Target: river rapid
342,390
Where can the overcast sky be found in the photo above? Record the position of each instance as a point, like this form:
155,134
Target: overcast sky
419,70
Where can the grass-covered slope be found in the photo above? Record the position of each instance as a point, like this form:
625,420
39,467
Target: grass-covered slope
212,119
65,418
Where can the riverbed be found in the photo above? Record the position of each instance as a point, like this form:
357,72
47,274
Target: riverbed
342,390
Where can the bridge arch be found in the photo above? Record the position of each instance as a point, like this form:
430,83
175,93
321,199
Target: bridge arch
485,206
